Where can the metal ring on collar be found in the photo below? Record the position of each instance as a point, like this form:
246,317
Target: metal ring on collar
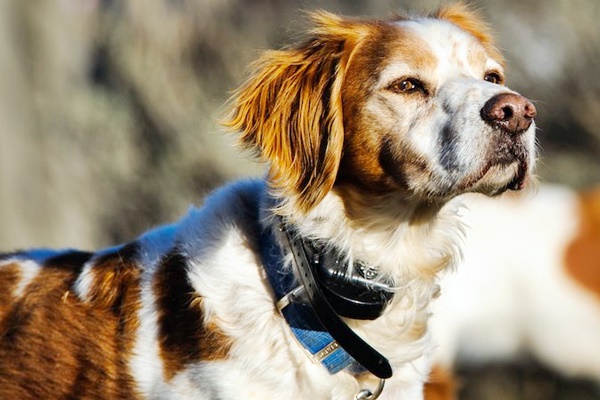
366,394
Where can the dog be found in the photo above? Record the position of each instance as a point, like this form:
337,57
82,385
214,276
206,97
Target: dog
315,282
529,285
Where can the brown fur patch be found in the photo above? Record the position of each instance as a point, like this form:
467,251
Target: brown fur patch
10,276
290,110
113,274
582,256
441,385
184,336
55,346
373,165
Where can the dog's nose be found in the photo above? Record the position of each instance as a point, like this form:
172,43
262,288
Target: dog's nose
510,112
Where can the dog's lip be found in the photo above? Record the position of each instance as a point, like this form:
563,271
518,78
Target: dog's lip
521,178
518,182
508,157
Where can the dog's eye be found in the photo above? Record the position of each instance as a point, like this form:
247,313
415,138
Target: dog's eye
493,77
407,86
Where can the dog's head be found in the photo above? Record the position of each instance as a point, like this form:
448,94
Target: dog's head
414,107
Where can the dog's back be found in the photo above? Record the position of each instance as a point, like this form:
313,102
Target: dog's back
76,324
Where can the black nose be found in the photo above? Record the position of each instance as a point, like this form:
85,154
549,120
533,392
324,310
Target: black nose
510,112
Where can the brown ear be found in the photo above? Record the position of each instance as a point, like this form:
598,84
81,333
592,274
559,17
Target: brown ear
290,112
470,20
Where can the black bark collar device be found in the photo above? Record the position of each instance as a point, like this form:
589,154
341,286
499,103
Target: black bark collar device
326,285
352,291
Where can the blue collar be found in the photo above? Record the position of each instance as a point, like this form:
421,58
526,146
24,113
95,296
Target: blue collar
300,316
299,311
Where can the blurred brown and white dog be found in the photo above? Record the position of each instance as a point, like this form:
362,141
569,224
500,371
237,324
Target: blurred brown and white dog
529,285
370,127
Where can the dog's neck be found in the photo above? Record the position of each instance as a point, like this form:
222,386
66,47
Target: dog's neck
316,291
405,238
411,246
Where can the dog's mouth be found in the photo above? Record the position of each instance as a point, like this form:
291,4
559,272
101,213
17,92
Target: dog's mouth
499,175
521,177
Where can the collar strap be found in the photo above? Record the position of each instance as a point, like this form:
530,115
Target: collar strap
316,325
353,291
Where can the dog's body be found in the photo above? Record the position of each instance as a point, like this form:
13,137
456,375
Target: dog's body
370,128
529,285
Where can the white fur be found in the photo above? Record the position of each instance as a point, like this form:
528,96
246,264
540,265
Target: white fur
84,282
28,270
146,364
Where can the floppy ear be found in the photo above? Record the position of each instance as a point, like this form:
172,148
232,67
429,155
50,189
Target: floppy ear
290,112
470,20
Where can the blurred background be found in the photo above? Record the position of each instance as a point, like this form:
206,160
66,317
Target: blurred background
109,115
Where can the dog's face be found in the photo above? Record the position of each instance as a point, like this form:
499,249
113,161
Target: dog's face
415,108
426,100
